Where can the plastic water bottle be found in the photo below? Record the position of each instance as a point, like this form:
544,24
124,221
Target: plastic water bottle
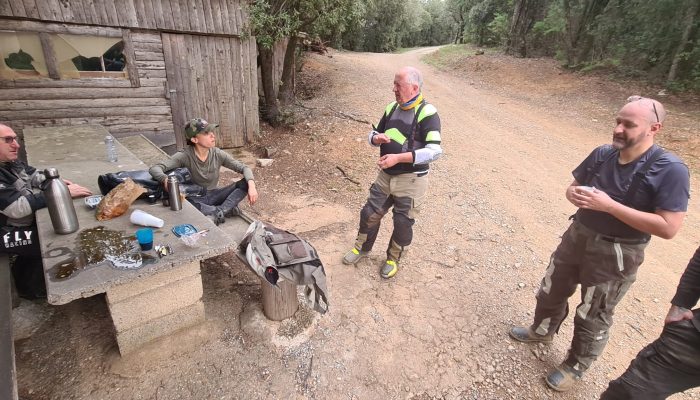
59,203
111,149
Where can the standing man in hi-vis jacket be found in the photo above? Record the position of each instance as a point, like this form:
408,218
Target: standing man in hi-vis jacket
408,136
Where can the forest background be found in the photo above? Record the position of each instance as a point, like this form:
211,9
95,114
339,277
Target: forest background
653,40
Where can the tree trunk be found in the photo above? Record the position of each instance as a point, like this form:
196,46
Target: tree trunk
581,39
459,38
568,40
688,23
525,13
271,112
286,94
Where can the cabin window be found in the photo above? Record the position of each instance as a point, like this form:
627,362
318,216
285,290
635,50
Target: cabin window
21,56
57,58
82,56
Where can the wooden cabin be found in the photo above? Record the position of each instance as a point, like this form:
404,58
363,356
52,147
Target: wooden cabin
133,66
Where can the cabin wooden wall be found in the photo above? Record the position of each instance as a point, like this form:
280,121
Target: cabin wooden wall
122,110
198,16
143,103
214,78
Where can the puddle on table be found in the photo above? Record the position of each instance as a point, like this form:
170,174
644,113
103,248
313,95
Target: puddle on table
99,244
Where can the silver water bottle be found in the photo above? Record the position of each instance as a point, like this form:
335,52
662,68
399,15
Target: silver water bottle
174,193
59,203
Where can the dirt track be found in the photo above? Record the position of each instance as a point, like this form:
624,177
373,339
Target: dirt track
494,212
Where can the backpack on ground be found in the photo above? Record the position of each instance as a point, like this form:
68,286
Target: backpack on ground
276,254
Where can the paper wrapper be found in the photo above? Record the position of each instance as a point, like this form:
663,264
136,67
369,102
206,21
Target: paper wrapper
118,200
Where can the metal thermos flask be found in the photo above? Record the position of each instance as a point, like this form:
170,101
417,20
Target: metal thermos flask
59,203
174,193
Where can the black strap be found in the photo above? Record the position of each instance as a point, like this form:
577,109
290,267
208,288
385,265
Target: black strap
639,175
593,171
414,126
396,104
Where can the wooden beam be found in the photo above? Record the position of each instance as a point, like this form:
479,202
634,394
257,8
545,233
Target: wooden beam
70,93
36,105
146,37
153,47
129,54
71,83
84,112
33,26
49,55
149,56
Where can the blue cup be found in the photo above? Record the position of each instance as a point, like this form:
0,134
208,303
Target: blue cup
145,238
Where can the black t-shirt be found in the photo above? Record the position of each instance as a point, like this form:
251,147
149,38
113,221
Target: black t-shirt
665,186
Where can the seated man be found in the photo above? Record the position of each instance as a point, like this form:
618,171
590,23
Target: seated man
20,197
203,159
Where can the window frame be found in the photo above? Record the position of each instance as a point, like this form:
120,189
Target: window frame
54,80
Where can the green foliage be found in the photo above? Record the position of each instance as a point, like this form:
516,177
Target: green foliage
487,21
386,25
643,38
269,22
498,29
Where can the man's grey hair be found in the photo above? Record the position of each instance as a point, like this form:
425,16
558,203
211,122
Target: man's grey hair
413,76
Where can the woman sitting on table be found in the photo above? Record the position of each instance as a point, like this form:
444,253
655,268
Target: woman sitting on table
20,197
203,159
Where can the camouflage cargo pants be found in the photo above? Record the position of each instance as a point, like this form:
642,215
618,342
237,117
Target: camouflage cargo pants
405,193
605,267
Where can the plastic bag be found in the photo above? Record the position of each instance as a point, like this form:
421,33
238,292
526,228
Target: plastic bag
118,200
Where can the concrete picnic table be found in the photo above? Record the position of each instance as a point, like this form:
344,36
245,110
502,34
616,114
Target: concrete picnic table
155,300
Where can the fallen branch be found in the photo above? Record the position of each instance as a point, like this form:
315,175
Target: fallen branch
352,117
637,329
347,177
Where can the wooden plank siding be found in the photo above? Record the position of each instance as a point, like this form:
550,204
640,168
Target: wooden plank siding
185,59
209,78
122,110
214,17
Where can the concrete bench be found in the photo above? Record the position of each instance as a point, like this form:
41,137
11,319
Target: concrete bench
145,303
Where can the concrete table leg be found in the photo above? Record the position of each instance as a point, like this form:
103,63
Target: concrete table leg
156,306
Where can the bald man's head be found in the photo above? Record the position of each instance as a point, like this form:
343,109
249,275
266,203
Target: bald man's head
407,84
653,110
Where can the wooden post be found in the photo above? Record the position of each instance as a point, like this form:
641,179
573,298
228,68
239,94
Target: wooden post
279,303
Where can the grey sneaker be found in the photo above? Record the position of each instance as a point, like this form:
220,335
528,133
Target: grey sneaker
389,269
353,256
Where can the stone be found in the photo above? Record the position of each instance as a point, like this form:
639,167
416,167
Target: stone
270,152
264,162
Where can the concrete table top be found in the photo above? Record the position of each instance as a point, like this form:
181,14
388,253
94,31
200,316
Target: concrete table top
81,157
